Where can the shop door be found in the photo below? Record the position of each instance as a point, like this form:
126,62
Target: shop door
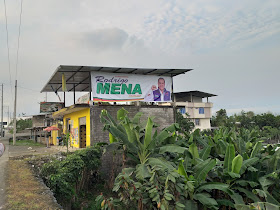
83,136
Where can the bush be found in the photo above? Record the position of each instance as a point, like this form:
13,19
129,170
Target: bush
69,177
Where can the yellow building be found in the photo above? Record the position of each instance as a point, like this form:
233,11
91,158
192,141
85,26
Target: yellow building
76,121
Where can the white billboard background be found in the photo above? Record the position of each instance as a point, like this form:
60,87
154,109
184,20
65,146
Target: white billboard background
130,87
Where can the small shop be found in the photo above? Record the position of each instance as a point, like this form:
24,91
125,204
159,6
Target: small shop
76,122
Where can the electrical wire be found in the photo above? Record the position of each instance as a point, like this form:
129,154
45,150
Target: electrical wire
18,38
7,40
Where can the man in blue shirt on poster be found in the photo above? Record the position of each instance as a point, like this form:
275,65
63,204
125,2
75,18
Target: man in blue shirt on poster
160,94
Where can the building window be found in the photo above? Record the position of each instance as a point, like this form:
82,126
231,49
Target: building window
201,110
182,110
197,122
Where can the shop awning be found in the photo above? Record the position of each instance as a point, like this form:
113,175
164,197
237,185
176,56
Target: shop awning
69,110
78,77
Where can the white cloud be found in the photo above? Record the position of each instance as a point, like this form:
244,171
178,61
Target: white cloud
217,38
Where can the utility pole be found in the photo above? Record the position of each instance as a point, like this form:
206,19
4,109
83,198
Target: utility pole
2,114
15,115
8,115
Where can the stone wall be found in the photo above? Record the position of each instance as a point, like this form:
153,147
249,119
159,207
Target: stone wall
112,162
164,117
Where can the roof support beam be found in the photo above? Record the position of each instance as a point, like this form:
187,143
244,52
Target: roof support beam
133,71
168,72
117,70
71,77
150,71
85,88
80,83
69,83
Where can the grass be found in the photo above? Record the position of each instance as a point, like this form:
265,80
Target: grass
24,191
27,143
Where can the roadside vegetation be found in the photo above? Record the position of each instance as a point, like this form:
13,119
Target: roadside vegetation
21,124
230,168
26,143
23,189
266,124
75,179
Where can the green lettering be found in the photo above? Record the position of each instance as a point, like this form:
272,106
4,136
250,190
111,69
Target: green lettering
126,89
137,89
102,89
115,89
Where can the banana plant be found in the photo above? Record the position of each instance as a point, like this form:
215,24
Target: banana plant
140,141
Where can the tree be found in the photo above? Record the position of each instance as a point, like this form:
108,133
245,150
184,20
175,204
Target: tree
22,124
220,119
185,123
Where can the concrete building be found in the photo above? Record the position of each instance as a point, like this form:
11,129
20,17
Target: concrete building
199,111
39,123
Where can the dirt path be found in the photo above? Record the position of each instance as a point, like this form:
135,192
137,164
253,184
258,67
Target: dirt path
3,172
25,191
16,178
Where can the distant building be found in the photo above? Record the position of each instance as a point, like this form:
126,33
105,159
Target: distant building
200,112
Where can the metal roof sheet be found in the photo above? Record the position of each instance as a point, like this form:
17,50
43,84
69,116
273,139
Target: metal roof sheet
78,77
194,93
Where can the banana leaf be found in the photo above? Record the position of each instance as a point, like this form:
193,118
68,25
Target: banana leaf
148,133
230,154
201,170
205,152
172,148
142,172
257,148
206,200
248,194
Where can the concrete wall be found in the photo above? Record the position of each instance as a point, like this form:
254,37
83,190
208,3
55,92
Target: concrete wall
204,124
163,117
38,120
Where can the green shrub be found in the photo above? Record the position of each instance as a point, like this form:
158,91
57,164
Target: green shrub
69,177
230,169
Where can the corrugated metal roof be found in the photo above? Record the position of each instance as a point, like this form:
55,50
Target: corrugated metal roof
194,93
78,77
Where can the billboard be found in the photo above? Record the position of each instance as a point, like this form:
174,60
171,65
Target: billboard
115,87
50,106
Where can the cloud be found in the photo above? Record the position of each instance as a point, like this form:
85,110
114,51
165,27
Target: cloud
233,46
104,39
109,39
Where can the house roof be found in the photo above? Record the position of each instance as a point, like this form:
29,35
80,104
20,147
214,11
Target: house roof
194,93
78,77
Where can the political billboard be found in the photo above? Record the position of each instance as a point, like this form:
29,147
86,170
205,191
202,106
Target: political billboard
119,87
50,106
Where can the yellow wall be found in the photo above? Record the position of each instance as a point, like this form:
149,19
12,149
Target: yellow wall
74,118
54,135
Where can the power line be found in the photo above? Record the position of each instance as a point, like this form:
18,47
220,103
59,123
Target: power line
7,40
18,37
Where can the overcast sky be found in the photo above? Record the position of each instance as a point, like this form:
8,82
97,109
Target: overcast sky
233,46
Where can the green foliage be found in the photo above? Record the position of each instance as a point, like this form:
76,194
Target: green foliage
185,123
172,169
67,178
22,124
